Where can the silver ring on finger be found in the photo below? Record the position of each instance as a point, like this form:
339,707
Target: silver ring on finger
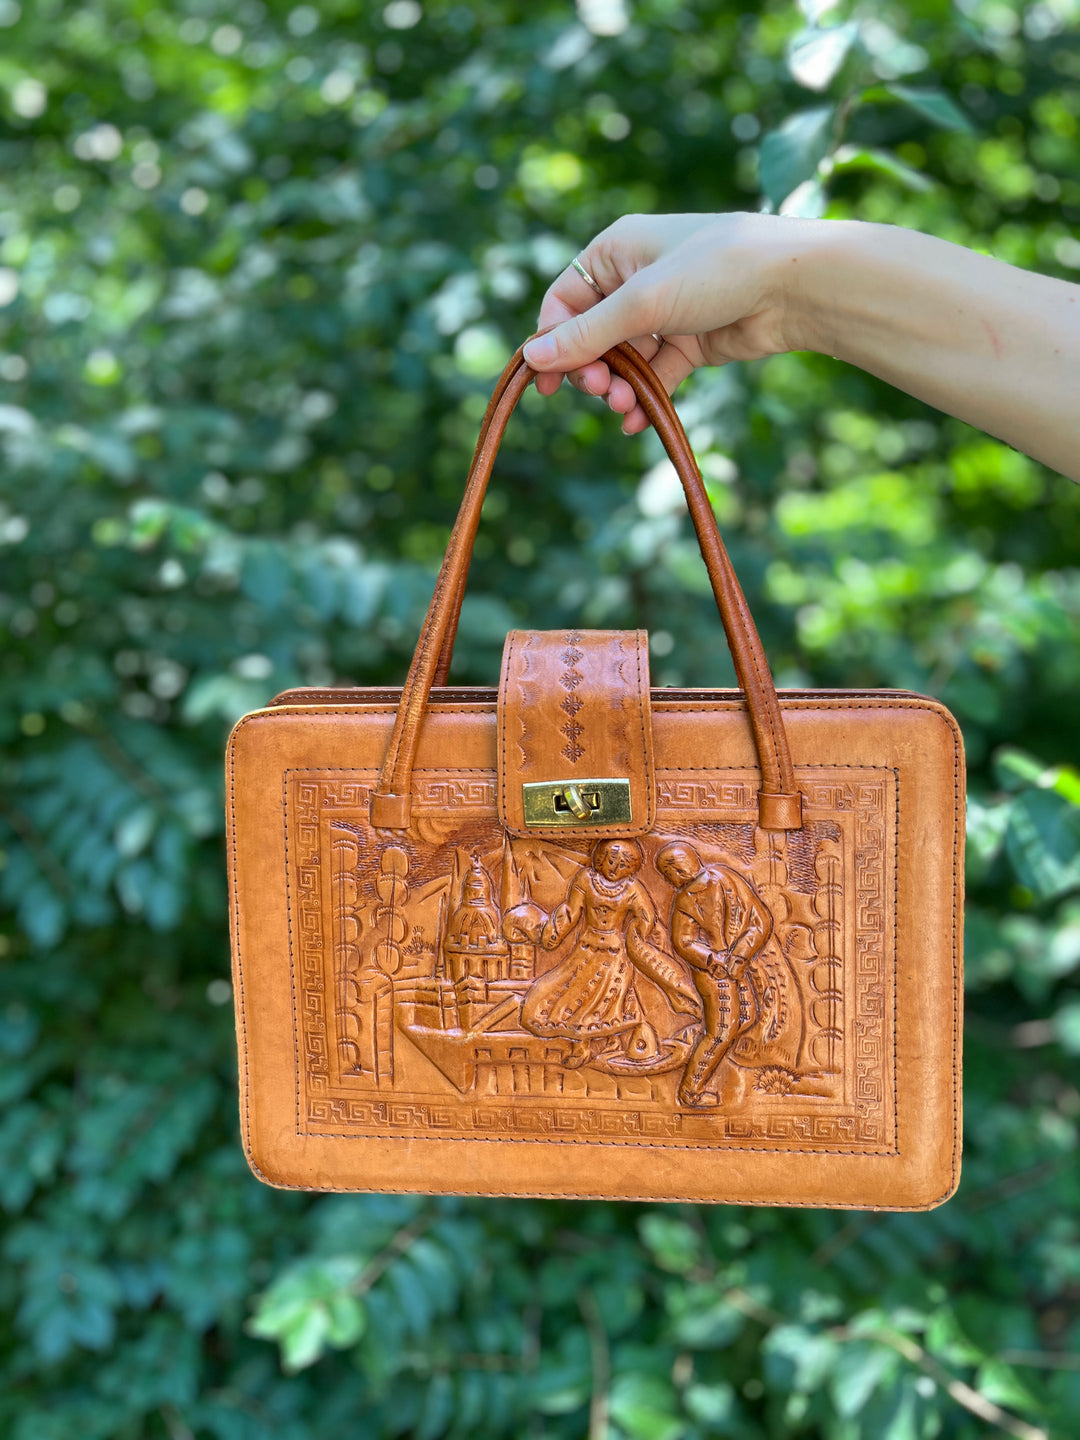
592,284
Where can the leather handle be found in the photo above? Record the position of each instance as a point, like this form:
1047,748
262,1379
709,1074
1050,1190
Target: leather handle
446,651
648,376
779,801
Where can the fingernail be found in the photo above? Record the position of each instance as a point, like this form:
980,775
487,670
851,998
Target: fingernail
540,351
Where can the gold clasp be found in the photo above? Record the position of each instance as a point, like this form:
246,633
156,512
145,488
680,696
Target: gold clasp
573,799
577,802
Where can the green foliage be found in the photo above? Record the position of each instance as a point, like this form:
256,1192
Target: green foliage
259,264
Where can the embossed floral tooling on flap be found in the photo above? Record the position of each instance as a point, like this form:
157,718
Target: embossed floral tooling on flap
574,705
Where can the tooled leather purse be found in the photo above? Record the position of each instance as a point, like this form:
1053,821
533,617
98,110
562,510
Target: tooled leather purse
581,937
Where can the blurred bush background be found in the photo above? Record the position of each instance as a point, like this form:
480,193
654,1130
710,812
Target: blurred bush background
259,266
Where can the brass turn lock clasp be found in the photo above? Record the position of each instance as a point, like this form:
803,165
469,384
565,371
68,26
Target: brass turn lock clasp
577,802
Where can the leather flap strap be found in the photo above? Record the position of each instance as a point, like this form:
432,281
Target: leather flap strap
575,734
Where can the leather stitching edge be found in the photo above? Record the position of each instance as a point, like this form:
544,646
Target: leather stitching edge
292,965
234,906
840,702
646,735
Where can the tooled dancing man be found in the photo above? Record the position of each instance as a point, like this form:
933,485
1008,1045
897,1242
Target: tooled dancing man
719,925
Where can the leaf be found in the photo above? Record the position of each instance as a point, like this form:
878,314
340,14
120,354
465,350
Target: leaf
797,1358
206,1275
813,10
42,914
946,1339
1067,1027
417,1300
347,1320
1000,1383
935,105
1063,954
1043,843
861,1369
807,200
814,56
900,1422
149,520
265,574
644,1406
362,587
559,1392
486,619
134,832
713,1405
223,696
310,1307
792,153
986,826
1067,783
320,585
70,1303
438,1409
674,1244
882,162
116,456
31,1145
434,1265
302,1340
702,1319
1016,769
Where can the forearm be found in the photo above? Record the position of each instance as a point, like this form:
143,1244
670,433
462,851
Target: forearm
996,346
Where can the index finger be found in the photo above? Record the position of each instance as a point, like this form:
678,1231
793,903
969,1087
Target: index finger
568,296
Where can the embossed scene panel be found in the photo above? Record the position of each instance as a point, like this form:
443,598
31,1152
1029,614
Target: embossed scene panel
705,984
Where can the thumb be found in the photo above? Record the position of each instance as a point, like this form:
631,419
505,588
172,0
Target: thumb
585,337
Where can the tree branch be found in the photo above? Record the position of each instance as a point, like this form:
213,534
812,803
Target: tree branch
600,1357
963,1394
395,1246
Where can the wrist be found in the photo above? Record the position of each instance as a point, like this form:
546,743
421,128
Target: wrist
813,260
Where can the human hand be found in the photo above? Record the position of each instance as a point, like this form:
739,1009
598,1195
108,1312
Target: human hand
995,345
723,965
526,920
714,288
559,923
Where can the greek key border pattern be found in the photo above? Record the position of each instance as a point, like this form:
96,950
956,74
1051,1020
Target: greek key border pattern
870,1029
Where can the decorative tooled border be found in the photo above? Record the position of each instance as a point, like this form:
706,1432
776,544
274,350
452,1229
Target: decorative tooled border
539,1121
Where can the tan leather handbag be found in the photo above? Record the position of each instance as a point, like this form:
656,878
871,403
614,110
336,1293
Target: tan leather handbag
585,938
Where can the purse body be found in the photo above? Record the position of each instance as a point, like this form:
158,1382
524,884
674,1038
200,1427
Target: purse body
405,1023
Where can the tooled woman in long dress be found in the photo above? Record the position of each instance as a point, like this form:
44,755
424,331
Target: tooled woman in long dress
590,997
